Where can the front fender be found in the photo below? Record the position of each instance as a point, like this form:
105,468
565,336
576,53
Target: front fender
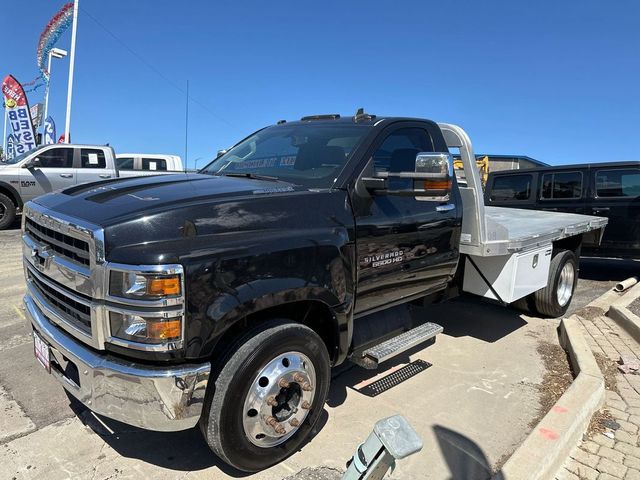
224,291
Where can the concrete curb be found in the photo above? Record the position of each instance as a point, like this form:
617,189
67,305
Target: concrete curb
624,317
547,447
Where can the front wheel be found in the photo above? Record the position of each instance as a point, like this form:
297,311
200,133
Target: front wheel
7,212
268,396
554,300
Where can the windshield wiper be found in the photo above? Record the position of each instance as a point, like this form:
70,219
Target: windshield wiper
253,176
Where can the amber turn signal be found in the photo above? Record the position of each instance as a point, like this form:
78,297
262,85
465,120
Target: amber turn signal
164,330
164,285
437,184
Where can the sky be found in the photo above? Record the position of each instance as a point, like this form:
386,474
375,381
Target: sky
558,81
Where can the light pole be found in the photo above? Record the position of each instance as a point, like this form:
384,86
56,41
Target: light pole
74,29
56,53
4,132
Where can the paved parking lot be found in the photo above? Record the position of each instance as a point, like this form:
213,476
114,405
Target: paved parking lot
472,407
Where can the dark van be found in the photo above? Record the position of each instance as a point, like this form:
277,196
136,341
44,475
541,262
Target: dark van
605,189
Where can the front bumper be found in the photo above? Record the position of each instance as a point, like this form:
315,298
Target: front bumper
154,398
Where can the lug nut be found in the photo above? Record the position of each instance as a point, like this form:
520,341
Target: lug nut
283,383
273,423
298,378
306,386
294,422
272,402
306,405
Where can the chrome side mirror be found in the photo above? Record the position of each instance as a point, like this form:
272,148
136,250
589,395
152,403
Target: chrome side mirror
434,176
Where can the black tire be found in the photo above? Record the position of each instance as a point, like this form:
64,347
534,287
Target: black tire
222,418
545,301
7,211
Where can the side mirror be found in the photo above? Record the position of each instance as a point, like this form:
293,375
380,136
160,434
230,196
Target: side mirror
33,163
221,152
431,180
436,176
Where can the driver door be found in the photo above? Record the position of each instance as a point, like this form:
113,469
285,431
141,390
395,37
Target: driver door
54,173
406,247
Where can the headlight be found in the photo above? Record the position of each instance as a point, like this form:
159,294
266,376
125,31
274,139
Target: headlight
151,330
144,286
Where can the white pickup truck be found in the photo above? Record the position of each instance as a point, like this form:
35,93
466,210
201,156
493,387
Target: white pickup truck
149,162
54,167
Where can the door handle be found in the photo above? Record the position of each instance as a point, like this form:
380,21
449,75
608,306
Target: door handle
601,209
66,175
104,175
445,208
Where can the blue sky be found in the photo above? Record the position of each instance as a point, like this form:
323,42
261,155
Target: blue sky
554,80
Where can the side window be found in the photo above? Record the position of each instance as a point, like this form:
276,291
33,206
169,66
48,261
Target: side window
618,183
159,164
125,163
561,185
398,151
511,187
61,157
92,158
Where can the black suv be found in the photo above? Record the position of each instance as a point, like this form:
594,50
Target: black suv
609,189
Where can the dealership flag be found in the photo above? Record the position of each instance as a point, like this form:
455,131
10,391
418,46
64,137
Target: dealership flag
10,153
19,116
49,131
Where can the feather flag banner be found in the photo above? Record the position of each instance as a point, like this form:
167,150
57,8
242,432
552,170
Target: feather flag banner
50,35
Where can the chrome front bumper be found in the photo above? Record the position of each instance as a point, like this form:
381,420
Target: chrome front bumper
164,399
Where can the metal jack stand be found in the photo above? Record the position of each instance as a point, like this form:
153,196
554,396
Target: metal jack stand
392,439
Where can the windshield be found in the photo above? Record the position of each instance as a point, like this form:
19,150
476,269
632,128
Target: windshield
311,154
19,158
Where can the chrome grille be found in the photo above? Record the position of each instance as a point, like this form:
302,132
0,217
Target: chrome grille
64,245
74,309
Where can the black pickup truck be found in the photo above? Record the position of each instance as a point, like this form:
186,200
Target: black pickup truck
607,189
224,298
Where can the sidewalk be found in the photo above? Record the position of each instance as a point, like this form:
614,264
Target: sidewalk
613,453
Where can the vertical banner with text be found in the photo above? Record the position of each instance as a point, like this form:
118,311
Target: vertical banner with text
19,115
10,153
49,131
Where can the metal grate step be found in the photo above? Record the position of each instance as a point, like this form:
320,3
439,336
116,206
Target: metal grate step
403,342
395,378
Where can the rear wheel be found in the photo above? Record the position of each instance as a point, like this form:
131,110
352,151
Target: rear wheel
554,300
268,396
7,211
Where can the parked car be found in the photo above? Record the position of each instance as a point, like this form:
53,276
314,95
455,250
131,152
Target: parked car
53,167
610,189
224,298
152,162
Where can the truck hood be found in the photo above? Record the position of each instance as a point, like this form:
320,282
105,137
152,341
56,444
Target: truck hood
174,218
114,201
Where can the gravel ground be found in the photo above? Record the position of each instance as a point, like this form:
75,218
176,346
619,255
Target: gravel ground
635,307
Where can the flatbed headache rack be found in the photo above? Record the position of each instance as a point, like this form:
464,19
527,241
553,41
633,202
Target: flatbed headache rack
491,231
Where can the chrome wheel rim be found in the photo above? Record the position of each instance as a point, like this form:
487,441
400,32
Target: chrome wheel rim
565,284
3,211
279,399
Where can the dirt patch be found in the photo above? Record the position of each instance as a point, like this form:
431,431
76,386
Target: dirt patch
609,371
590,313
555,381
317,473
635,307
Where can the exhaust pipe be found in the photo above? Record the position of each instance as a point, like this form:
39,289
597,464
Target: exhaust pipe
626,284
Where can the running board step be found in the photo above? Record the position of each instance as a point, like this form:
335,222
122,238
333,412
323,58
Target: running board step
374,356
